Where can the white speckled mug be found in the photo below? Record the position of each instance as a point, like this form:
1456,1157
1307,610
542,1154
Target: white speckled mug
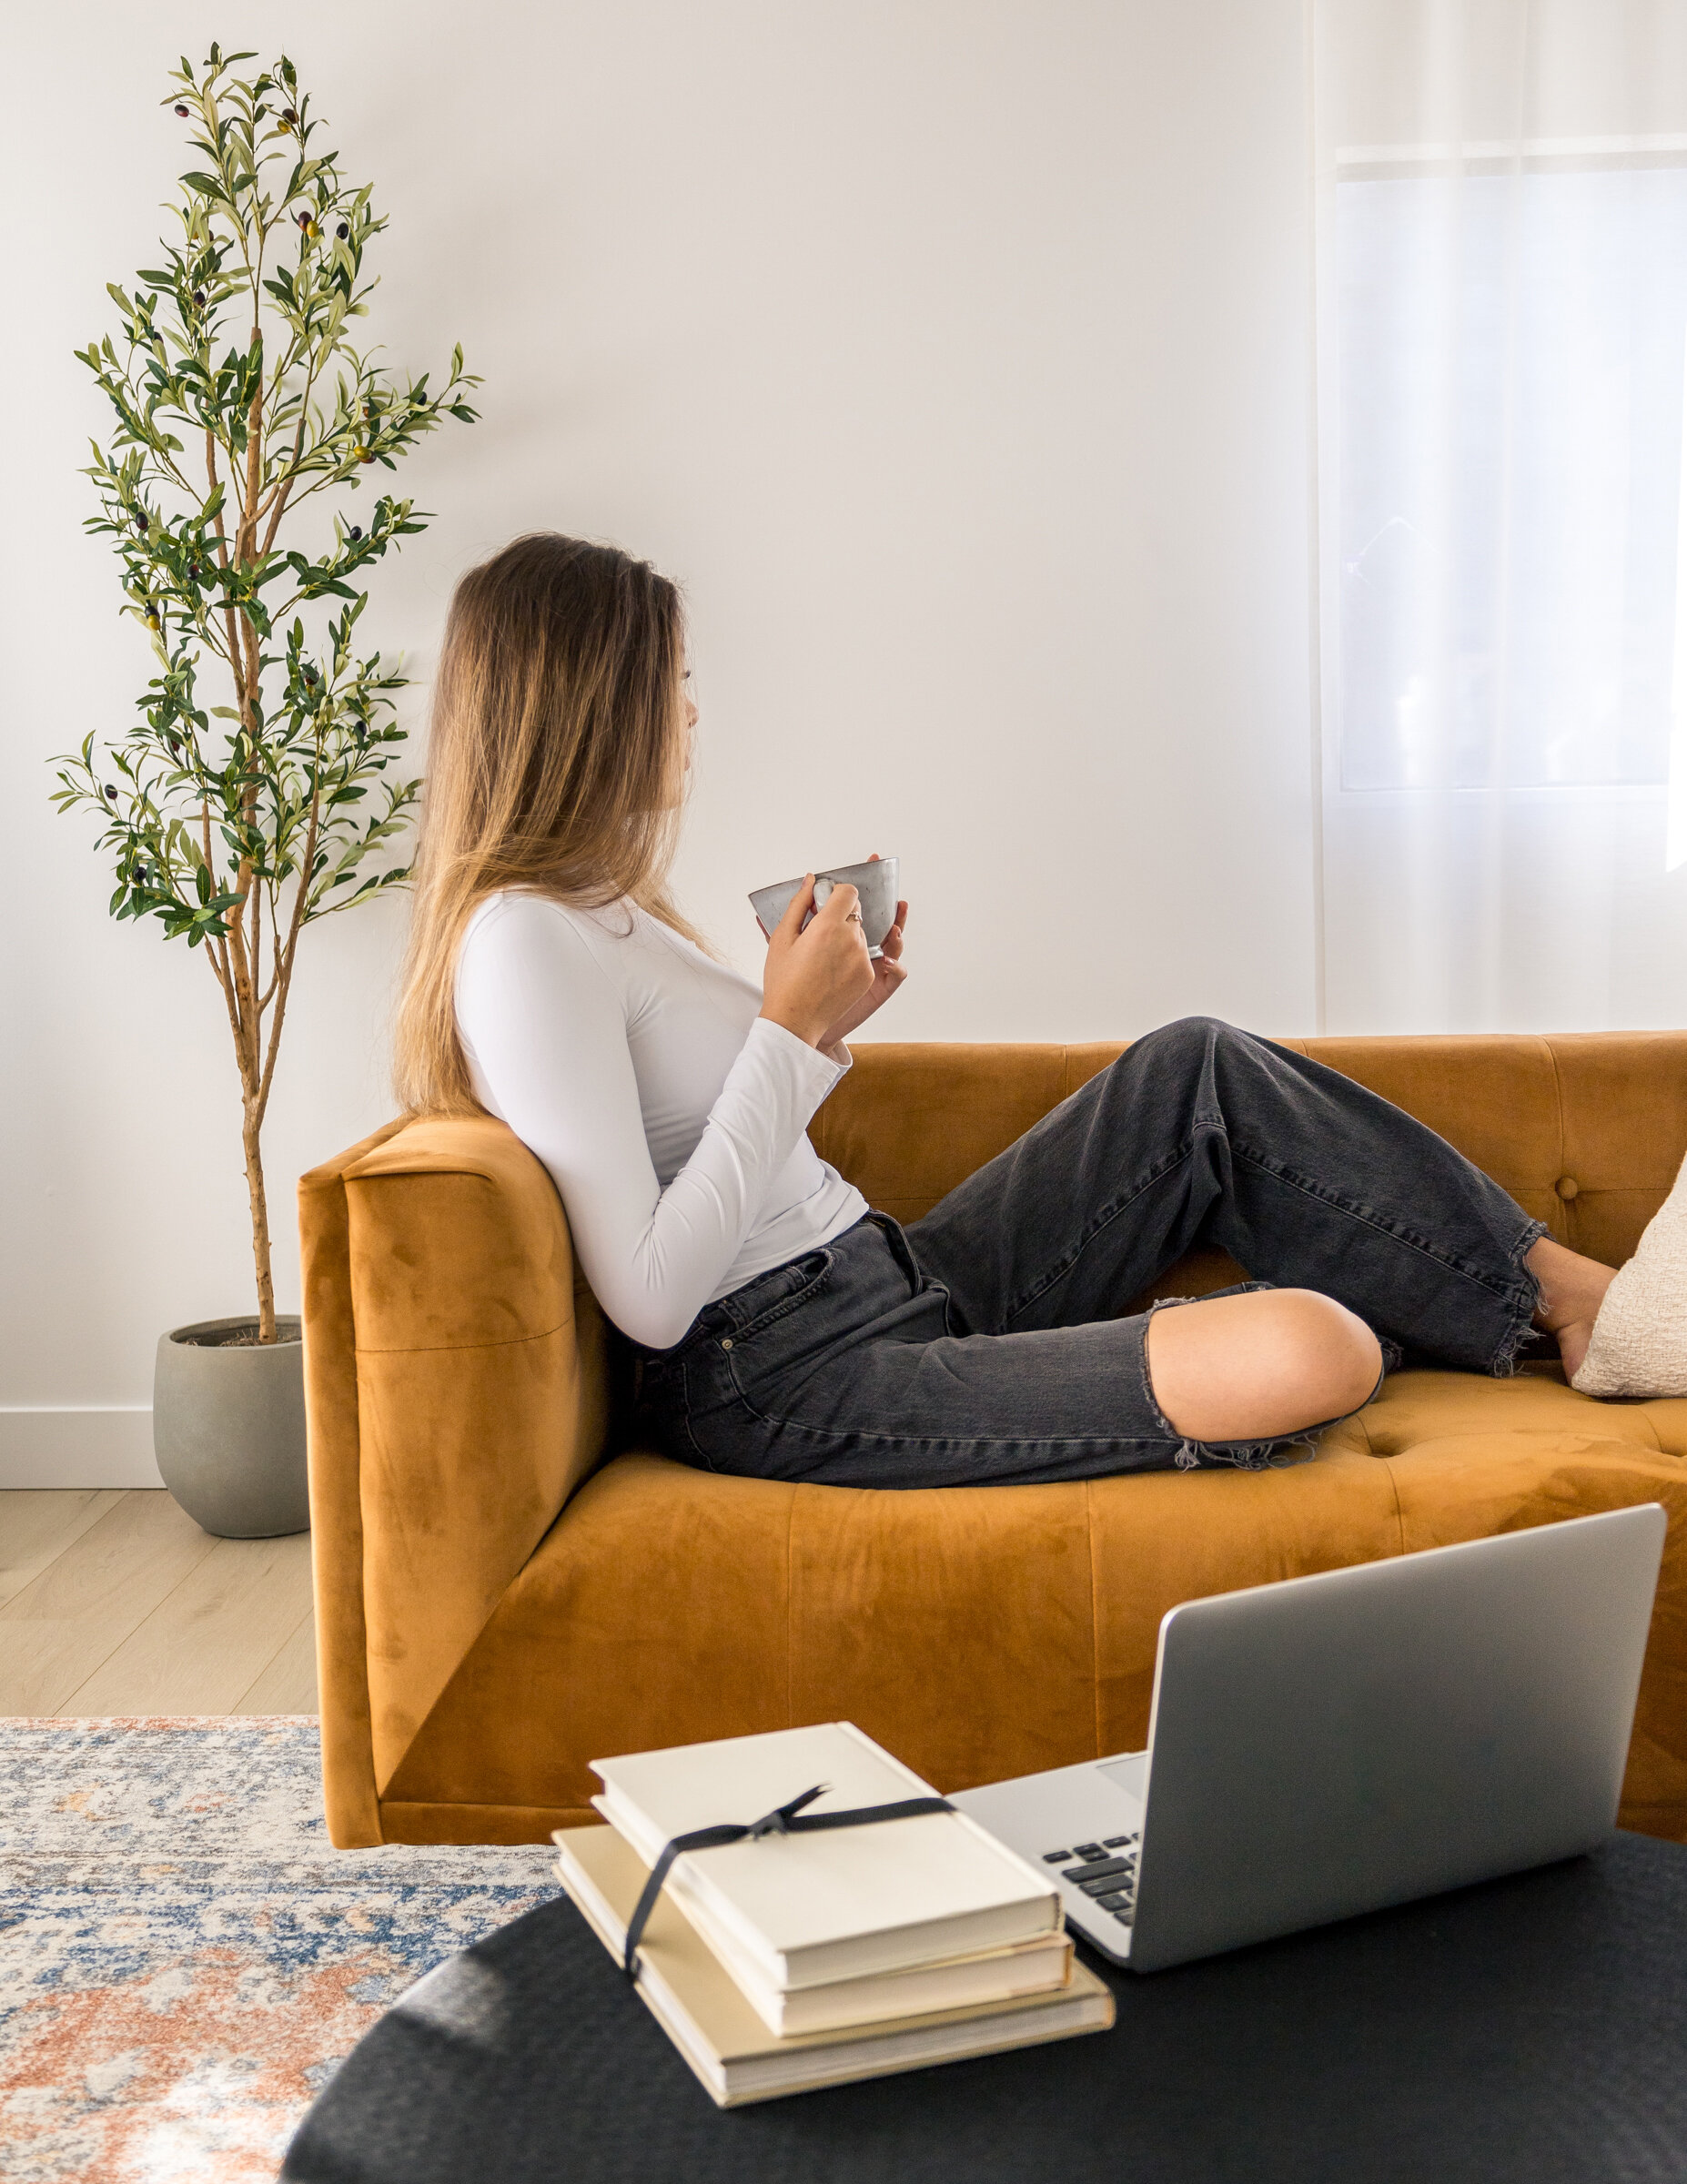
877,882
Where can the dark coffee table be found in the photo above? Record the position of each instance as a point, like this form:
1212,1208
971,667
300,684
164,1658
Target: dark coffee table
1529,2031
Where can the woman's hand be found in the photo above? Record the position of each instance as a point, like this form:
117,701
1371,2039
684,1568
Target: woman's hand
815,979
888,973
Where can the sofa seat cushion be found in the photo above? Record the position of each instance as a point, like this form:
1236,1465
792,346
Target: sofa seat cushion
1415,1409
986,1632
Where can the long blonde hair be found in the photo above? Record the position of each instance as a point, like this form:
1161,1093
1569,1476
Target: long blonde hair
555,764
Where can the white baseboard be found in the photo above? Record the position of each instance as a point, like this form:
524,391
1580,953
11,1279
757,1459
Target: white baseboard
104,1447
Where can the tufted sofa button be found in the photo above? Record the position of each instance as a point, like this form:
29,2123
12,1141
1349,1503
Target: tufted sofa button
1567,1186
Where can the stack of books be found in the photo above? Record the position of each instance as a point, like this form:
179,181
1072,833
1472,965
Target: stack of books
792,1961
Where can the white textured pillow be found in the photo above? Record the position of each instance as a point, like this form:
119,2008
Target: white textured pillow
1639,1339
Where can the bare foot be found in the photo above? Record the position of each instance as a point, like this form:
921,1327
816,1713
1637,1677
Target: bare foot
1572,1345
1573,1289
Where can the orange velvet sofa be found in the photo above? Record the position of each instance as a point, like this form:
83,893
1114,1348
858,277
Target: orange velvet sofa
506,1589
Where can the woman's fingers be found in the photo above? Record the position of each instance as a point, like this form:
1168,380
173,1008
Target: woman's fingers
798,908
890,947
818,974
839,906
784,933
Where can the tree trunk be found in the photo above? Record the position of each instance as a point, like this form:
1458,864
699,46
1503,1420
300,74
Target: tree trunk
260,1229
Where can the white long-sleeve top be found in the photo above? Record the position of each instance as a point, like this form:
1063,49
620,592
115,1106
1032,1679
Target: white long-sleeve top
671,1114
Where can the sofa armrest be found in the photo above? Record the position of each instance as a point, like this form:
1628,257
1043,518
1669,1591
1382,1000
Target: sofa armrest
457,1392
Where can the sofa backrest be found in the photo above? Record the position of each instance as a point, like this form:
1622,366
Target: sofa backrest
1586,1130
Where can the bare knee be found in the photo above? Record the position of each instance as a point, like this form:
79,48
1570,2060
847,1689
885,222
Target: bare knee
1268,1362
1340,1359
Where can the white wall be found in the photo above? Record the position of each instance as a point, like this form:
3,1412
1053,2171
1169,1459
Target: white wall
954,353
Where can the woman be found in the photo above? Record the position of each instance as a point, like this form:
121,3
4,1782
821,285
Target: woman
788,1330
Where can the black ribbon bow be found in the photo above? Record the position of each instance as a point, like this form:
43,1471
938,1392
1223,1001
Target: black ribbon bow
784,1820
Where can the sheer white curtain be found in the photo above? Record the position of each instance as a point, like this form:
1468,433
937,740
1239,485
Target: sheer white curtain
1501,207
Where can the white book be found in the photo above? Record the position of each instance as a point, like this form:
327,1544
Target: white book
797,1911
1039,1967
1025,1967
688,1991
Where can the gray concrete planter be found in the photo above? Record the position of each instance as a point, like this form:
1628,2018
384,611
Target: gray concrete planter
228,1428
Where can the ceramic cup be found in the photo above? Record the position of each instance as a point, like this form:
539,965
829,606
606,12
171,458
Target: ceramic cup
877,882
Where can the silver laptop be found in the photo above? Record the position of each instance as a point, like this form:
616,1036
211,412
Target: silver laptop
1334,1744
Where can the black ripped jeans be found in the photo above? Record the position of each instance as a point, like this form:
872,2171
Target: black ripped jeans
982,1346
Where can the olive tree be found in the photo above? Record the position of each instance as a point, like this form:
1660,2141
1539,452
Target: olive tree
240,398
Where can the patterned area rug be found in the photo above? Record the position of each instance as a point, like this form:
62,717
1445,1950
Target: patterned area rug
184,1957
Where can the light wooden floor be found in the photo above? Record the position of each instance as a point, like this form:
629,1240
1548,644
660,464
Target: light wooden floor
116,1602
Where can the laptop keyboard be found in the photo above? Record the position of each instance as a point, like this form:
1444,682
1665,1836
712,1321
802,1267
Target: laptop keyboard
1106,1872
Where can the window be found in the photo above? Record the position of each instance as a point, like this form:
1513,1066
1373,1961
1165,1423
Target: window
1509,348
